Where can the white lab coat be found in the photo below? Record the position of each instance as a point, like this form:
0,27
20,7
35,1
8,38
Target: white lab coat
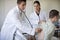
34,18
16,20
48,29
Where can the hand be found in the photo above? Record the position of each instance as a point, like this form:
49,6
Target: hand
38,30
41,21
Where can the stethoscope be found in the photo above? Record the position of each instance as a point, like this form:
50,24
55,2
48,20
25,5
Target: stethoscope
17,28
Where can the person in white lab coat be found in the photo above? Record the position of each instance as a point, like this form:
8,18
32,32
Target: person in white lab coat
48,26
17,23
37,16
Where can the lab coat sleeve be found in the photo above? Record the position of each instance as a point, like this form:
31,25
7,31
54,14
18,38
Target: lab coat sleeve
21,27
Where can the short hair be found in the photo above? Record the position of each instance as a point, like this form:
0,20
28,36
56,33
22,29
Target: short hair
37,2
19,1
53,13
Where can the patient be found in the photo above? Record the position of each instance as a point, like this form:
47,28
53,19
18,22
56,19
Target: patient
48,27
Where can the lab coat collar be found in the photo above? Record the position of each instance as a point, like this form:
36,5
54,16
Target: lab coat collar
35,13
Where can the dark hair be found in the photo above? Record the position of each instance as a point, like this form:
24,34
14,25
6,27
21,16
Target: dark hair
53,13
37,2
19,1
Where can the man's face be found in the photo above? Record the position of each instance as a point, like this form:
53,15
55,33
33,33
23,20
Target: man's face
22,5
36,7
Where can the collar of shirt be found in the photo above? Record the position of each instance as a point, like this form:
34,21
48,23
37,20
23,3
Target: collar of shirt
37,13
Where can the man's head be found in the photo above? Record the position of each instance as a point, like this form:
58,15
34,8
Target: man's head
54,15
36,6
21,4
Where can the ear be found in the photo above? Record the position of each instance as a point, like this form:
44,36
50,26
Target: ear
54,18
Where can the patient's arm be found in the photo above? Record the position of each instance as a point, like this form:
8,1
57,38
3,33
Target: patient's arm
41,36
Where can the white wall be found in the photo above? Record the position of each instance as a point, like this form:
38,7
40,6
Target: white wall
6,5
2,8
48,5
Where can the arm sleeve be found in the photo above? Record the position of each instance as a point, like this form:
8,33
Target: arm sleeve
50,30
